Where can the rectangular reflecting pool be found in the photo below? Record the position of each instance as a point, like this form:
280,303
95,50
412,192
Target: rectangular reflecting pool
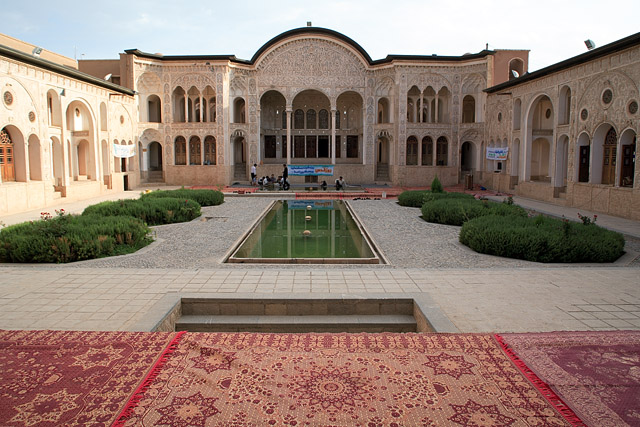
307,232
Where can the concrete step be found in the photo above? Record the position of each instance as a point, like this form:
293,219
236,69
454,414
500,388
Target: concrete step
296,324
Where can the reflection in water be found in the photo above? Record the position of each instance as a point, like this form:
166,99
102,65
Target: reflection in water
306,229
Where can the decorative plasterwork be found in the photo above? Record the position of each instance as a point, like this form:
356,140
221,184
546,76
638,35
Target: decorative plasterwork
311,63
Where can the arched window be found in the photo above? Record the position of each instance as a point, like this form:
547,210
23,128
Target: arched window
442,151
427,151
153,109
323,118
239,111
6,157
209,150
517,109
298,119
180,150
383,110
195,150
311,119
337,120
516,68
412,151
178,100
468,109
564,108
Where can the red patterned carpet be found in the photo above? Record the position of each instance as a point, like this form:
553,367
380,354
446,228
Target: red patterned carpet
597,373
52,378
243,379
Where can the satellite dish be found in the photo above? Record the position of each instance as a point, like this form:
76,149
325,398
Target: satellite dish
108,77
589,43
36,51
515,74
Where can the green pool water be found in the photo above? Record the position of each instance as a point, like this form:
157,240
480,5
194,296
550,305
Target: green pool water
306,230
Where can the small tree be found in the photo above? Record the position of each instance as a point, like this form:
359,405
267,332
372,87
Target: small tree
436,186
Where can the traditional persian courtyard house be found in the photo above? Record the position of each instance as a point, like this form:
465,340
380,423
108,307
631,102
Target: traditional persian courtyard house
565,134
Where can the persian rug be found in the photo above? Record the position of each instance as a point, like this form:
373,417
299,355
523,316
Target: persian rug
596,373
54,378
250,379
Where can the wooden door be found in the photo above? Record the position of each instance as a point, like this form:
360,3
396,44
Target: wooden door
583,171
627,169
6,157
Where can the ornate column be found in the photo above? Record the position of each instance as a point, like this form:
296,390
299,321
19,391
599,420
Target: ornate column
260,142
421,107
415,109
437,108
201,108
186,108
333,136
288,112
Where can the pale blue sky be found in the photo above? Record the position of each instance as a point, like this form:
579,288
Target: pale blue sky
553,30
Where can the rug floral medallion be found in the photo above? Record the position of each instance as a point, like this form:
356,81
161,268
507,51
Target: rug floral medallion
337,380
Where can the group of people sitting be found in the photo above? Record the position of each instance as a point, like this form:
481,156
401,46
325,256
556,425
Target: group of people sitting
283,182
267,180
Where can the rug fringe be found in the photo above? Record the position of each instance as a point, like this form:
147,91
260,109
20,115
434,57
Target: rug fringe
544,388
136,397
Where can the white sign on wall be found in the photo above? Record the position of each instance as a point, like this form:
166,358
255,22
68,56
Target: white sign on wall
497,153
124,151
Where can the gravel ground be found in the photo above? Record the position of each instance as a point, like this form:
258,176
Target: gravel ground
405,239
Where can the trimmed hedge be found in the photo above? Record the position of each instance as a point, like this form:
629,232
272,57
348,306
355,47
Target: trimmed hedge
541,239
203,197
70,238
153,211
412,198
416,198
458,211
430,197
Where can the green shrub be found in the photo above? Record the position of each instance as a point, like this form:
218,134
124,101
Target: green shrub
153,211
412,198
541,239
203,197
70,238
436,186
456,211
416,198
430,197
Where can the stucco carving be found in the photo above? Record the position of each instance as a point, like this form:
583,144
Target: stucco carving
311,62
200,81
149,82
624,90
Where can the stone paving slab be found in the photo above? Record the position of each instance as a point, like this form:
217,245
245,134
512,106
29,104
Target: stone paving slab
474,300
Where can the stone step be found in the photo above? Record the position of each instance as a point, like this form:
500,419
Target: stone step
297,324
296,306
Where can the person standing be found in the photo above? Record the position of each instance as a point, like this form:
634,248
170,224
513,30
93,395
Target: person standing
285,177
254,174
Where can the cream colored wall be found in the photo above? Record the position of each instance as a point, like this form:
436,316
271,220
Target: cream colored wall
29,86
619,72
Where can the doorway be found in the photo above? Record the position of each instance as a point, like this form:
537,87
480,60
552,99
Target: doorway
583,171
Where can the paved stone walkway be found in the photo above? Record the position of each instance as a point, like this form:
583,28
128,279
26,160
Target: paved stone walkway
475,292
